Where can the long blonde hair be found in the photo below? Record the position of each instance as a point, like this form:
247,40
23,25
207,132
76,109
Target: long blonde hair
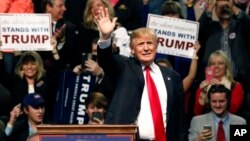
88,19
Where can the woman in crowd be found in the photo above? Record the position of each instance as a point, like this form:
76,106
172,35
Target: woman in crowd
89,31
222,74
29,78
30,74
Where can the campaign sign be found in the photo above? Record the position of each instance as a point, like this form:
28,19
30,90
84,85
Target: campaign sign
175,36
71,97
22,32
239,132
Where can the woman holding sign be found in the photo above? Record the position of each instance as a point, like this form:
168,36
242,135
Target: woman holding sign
219,72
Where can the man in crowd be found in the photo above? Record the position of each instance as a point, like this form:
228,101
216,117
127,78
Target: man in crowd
66,49
229,34
215,125
33,105
63,31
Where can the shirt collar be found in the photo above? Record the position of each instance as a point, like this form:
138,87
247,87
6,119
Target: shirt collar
224,119
153,67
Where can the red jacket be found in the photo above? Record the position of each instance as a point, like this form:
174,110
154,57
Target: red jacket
237,96
16,6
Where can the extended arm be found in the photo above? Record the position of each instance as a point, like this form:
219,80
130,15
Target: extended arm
188,80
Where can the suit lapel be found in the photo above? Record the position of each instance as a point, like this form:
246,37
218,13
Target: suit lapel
137,69
169,86
230,119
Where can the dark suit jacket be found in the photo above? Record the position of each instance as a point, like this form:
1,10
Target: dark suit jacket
70,51
20,132
127,75
20,90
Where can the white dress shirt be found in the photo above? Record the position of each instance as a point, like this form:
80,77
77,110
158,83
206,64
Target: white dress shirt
145,120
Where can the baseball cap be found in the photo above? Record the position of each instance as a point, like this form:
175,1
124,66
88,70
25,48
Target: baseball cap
34,100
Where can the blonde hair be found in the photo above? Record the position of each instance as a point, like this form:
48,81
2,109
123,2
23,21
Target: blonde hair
89,19
38,61
220,53
142,32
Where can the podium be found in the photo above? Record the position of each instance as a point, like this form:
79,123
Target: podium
87,132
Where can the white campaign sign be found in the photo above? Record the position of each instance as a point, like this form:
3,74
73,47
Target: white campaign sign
175,36
22,32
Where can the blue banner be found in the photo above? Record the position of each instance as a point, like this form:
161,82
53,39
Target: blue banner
72,93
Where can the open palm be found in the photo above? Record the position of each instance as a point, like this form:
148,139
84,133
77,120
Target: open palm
105,24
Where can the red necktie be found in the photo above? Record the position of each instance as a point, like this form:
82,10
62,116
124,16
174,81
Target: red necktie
220,132
155,106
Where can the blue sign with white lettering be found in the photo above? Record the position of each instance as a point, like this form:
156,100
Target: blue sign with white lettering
71,96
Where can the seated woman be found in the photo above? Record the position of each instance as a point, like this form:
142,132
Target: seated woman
30,74
96,106
222,75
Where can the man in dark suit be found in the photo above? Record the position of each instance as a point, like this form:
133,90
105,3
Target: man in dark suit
63,31
66,50
131,103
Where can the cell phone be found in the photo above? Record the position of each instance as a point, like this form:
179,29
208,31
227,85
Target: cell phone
209,73
97,115
85,56
207,127
94,57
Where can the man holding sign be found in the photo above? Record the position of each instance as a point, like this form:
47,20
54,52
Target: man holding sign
176,36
